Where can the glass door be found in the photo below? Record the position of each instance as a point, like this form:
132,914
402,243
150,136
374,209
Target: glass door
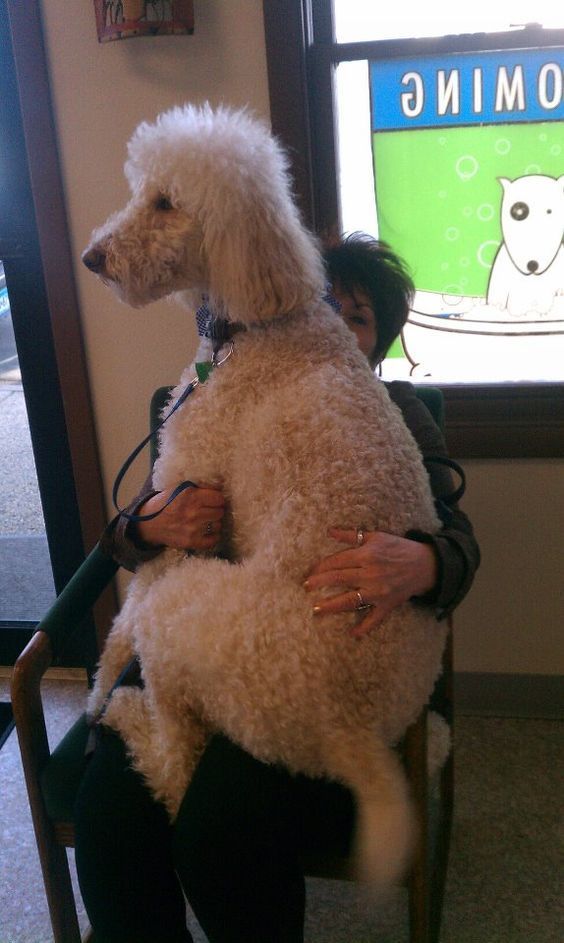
51,508
26,579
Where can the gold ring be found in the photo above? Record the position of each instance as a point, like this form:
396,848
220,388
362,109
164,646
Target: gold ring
361,604
208,529
359,536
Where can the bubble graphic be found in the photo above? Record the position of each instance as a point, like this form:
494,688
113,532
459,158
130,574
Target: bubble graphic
485,212
464,262
486,252
442,194
442,140
555,150
467,211
452,234
444,266
466,167
502,146
543,137
455,291
533,169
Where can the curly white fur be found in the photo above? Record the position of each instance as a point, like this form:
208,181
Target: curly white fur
300,435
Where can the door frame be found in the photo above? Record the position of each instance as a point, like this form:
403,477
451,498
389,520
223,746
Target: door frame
36,250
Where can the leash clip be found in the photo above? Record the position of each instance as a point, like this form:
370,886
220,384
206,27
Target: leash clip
218,363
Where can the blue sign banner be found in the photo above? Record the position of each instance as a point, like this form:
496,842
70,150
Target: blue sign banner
467,89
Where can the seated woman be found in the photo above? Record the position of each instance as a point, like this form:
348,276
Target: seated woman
375,292
235,848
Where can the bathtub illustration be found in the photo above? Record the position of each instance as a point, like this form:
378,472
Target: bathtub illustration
460,338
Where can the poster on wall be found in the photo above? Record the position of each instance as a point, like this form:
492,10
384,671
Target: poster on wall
123,19
468,154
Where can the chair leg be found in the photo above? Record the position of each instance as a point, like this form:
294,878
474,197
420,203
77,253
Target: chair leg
58,889
446,804
419,904
442,850
427,880
419,879
34,751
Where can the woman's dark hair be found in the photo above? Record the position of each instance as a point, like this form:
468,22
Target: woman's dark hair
359,262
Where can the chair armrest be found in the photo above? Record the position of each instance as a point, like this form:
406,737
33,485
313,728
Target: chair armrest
28,707
78,597
63,618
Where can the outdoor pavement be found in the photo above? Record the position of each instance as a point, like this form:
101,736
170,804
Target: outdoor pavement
26,585
20,505
9,367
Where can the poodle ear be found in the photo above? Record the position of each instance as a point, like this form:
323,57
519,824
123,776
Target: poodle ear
261,261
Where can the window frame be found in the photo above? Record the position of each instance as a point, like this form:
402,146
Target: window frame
484,420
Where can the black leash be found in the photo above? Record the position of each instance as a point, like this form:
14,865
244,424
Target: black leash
455,495
203,371
132,671
444,503
139,448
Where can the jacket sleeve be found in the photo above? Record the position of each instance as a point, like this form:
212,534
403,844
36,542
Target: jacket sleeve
120,540
455,545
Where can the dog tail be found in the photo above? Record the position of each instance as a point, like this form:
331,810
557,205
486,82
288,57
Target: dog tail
385,829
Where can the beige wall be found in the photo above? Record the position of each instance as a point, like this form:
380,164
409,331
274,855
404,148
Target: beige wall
512,621
101,92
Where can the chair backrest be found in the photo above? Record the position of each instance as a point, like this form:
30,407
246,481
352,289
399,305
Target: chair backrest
434,400
158,403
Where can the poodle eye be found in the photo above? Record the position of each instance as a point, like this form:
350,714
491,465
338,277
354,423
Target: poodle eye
519,211
163,203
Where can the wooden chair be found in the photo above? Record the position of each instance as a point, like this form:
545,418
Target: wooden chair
52,778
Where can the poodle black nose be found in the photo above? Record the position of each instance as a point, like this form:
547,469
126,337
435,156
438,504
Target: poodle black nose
532,266
95,260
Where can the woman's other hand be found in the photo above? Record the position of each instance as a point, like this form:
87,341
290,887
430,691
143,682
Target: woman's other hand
385,569
191,522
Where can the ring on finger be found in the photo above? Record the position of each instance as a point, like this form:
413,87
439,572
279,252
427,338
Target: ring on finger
361,604
359,536
208,529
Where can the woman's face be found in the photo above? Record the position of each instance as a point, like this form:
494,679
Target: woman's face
358,314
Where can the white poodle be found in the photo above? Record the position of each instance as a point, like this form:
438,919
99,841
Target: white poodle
300,435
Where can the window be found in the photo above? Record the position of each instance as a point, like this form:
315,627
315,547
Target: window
429,142
360,20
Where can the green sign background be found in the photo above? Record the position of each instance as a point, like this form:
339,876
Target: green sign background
438,198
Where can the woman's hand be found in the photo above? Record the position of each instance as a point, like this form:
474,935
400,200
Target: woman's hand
191,522
385,569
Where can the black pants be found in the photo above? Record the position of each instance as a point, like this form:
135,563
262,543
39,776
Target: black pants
235,848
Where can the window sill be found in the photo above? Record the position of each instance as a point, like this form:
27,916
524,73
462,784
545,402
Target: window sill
505,420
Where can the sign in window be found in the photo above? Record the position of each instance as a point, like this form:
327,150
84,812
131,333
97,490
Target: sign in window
467,181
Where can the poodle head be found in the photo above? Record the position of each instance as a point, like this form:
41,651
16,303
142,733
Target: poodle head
211,212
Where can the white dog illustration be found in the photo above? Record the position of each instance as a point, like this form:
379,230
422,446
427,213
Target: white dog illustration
300,435
528,270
